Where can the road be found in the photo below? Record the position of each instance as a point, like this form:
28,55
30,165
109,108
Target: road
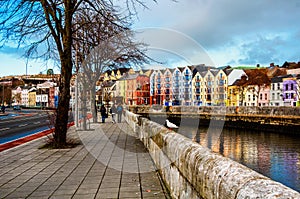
23,123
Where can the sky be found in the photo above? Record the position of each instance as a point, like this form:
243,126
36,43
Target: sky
211,32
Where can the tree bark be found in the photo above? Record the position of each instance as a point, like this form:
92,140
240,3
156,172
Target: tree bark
65,54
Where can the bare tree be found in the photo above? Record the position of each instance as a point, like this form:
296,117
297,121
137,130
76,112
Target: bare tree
45,28
118,49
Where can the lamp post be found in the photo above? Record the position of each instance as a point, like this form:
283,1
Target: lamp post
2,94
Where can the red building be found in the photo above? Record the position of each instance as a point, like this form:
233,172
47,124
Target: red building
137,89
143,90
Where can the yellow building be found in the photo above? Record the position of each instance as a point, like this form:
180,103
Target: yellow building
32,98
209,83
234,95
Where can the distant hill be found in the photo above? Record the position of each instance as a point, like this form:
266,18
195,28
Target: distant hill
248,67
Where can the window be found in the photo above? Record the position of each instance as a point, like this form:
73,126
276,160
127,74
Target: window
278,96
286,87
278,86
253,97
260,96
266,96
292,86
249,97
273,86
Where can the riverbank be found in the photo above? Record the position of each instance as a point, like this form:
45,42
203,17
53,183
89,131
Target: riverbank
281,124
271,119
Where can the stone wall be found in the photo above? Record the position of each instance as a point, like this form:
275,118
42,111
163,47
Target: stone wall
192,171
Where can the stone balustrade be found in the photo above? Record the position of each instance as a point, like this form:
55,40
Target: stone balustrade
192,171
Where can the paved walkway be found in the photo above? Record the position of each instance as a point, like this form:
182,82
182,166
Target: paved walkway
110,163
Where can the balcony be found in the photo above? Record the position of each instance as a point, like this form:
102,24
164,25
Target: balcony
176,91
221,89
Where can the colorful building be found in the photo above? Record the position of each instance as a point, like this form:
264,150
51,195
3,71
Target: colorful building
198,87
167,87
176,86
142,90
221,88
290,90
264,96
276,97
187,75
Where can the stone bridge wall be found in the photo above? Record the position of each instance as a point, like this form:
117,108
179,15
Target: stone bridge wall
192,171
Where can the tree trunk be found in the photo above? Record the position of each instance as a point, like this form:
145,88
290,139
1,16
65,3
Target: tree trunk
65,54
61,123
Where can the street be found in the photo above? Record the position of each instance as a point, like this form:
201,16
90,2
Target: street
22,123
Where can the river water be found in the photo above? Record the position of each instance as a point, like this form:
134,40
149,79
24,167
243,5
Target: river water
271,154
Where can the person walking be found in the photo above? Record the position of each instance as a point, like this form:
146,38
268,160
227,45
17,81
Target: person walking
103,113
119,112
113,111
3,108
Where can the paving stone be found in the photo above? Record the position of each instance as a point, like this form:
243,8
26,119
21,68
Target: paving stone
76,173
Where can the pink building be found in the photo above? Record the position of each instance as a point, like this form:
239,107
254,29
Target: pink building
264,96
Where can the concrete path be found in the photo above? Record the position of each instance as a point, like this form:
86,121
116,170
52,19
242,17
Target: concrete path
110,163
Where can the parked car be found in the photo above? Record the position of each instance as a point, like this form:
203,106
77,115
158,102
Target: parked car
17,108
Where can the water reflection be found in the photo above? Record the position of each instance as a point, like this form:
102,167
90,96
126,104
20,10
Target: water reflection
274,155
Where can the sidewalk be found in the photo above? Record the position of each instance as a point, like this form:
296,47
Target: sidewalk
110,163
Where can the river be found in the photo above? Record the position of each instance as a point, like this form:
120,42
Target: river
271,154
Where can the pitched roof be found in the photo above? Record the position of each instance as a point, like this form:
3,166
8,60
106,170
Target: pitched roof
291,65
257,76
279,78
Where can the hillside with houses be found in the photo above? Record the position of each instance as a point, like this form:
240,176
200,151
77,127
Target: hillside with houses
197,85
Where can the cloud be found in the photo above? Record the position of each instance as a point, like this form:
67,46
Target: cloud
232,26
10,50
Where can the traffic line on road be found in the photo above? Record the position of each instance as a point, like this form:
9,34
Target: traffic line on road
4,129
23,140
22,125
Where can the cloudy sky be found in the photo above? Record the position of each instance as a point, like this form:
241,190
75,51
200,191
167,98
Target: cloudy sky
213,32
232,32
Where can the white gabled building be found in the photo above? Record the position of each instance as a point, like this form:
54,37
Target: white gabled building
197,90
167,87
176,86
186,86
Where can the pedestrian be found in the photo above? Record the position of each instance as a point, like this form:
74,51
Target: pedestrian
3,108
113,111
119,112
103,113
